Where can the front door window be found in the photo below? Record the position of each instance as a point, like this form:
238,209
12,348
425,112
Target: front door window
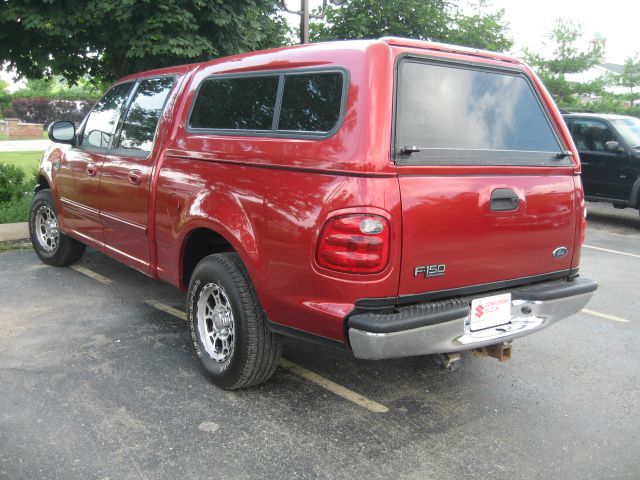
591,135
103,119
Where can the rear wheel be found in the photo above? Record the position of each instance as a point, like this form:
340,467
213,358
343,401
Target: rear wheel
231,337
50,244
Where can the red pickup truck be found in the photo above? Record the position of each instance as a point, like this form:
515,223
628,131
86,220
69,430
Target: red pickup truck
394,197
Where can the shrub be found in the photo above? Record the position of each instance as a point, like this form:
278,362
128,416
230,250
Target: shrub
15,193
11,182
46,110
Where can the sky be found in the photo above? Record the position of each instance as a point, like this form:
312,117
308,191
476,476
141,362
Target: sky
531,22
615,20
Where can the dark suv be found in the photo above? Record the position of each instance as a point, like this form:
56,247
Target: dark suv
609,147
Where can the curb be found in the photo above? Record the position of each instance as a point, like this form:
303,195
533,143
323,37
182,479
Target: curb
11,232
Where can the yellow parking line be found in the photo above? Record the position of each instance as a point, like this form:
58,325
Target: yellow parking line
612,251
334,387
166,308
91,274
605,315
299,371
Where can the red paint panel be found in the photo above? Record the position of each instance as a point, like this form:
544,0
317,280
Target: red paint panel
78,190
447,220
273,218
125,209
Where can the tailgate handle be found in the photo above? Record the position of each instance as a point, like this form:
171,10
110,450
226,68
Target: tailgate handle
504,199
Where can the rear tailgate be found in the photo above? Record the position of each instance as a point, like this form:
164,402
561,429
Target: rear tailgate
487,195
447,220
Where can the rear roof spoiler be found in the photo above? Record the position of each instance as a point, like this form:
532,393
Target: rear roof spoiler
445,47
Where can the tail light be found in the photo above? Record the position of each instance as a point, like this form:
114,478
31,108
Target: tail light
354,244
583,227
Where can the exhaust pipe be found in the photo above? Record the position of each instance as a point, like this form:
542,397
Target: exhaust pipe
448,361
501,351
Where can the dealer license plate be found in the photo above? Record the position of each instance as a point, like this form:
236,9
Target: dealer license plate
490,311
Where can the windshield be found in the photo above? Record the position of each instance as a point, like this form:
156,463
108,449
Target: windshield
629,130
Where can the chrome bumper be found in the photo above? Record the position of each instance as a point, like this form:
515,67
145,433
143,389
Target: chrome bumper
528,315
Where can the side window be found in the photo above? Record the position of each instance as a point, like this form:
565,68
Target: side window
102,120
142,118
591,135
311,102
236,103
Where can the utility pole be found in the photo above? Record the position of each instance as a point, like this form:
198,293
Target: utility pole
305,15
304,21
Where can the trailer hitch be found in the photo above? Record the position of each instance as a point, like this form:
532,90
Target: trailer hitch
501,351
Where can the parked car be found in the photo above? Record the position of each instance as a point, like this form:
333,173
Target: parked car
393,197
609,148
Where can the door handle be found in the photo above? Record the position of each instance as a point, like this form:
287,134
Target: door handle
135,177
504,200
91,169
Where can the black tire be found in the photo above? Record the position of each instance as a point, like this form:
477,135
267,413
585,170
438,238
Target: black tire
63,251
252,349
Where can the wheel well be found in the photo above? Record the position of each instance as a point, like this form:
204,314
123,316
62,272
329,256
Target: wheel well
201,242
41,184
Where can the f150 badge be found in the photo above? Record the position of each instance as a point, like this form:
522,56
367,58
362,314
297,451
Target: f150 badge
429,271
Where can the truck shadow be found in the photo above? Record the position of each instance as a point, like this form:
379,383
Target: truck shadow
605,216
614,220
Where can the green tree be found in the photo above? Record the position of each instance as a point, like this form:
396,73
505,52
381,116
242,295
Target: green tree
38,87
630,77
377,18
481,31
437,20
566,58
57,87
5,96
106,39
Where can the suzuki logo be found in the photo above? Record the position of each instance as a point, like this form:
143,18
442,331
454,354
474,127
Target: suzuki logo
479,311
560,252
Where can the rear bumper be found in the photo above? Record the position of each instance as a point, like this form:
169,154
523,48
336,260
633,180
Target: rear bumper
440,327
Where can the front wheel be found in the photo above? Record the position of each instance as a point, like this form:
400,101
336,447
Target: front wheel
50,244
230,334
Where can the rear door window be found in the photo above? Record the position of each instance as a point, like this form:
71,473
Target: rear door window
459,115
139,127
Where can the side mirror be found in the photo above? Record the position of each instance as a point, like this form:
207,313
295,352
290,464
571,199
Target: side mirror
62,132
612,146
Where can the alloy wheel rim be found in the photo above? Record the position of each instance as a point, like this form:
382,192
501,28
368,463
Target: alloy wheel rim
215,322
46,227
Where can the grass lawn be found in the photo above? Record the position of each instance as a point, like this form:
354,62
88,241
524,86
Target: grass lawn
16,210
27,161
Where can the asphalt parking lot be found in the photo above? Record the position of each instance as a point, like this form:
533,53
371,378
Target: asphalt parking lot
98,380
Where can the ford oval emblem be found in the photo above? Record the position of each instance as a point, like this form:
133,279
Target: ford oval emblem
560,252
